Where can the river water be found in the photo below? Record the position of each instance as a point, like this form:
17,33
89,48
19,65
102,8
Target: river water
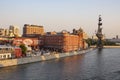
94,65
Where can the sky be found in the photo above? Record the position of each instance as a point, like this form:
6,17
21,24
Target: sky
58,15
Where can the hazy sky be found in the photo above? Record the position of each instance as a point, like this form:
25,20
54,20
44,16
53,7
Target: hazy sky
57,15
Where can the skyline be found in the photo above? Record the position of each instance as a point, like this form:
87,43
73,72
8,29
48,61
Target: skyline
64,14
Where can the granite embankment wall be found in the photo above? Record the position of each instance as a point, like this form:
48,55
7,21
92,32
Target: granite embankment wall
12,62
107,46
111,46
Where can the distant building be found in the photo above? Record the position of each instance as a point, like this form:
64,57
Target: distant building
85,36
32,30
114,40
13,31
64,41
3,32
6,32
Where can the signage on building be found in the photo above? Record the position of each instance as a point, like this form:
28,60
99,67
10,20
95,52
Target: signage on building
27,41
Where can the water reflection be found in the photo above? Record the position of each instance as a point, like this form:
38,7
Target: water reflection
71,65
10,73
99,64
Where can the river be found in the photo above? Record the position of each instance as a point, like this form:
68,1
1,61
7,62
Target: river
94,65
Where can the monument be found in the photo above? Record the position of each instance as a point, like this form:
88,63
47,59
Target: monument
99,33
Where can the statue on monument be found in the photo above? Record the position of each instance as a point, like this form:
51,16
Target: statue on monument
99,33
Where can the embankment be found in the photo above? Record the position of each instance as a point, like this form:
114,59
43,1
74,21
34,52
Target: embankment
12,62
107,46
111,46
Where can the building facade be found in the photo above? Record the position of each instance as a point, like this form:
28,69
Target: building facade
32,30
4,32
6,52
13,31
64,41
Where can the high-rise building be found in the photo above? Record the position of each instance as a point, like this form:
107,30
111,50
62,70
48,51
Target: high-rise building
14,30
32,30
6,32
2,32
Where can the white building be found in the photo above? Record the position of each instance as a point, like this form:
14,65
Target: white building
6,52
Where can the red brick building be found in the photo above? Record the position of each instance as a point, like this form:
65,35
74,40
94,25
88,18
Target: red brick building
64,41
17,52
32,30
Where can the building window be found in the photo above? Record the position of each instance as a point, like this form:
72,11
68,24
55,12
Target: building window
4,56
8,56
0,56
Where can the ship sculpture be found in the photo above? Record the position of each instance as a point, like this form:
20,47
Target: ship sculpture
99,33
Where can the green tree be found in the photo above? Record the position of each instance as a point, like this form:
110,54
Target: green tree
109,43
88,41
24,49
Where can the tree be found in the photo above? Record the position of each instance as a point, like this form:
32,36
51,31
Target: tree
24,49
107,42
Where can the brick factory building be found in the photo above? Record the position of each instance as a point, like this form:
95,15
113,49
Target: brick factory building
64,41
32,30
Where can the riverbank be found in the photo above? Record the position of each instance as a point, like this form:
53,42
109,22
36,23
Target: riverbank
25,60
107,46
111,46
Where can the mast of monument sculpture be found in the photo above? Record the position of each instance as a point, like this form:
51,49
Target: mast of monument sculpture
99,33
